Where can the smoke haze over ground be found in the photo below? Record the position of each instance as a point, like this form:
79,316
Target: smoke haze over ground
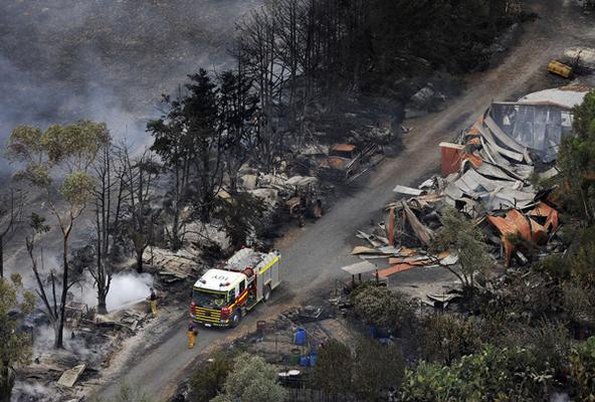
110,60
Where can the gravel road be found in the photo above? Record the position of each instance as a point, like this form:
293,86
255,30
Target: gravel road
313,255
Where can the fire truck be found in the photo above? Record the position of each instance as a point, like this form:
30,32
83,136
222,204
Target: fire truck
222,296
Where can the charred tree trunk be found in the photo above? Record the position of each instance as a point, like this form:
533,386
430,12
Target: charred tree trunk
7,379
59,326
139,261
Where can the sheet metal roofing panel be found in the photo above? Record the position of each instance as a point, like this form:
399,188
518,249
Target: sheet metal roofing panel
567,97
487,133
359,268
491,170
537,127
407,190
502,136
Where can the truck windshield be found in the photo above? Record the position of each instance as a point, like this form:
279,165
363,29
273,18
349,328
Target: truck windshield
209,299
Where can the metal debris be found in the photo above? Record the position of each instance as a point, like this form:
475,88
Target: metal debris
70,377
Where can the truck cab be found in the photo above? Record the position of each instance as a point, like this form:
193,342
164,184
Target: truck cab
221,297
217,296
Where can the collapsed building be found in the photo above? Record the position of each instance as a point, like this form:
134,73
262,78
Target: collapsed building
488,174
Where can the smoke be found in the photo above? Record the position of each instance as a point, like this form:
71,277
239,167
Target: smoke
109,60
125,290
31,391
560,397
128,289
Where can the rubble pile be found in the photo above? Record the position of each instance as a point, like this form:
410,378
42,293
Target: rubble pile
293,197
487,175
90,344
173,266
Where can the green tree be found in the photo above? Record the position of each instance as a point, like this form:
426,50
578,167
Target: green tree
208,381
131,394
582,370
15,346
493,374
334,369
66,152
128,393
381,306
576,160
443,338
11,206
251,380
463,237
376,369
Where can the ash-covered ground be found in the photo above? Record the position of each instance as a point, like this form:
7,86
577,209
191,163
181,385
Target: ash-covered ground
108,60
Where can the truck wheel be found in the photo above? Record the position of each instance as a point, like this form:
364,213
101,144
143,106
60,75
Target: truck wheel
236,318
267,293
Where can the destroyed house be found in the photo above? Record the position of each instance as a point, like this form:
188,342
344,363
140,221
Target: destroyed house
486,175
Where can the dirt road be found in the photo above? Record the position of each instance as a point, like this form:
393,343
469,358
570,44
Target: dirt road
314,254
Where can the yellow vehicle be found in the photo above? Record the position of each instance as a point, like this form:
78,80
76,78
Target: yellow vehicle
221,297
559,68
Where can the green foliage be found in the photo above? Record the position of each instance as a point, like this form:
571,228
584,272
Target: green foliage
582,370
77,187
494,374
37,223
576,160
71,147
334,368
129,393
431,383
25,143
251,380
80,142
462,236
376,369
381,306
442,338
209,379
35,173
15,346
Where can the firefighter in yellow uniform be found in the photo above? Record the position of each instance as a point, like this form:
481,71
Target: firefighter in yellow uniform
153,302
192,334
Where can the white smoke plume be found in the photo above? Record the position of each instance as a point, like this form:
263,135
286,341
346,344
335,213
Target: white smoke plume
125,290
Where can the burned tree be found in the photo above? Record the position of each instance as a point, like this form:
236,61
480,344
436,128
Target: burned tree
237,108
177,148
67,152
138,182
108,199
258,46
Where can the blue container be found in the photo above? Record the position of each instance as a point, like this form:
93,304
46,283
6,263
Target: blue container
299,338
305,361
313,358
372,331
